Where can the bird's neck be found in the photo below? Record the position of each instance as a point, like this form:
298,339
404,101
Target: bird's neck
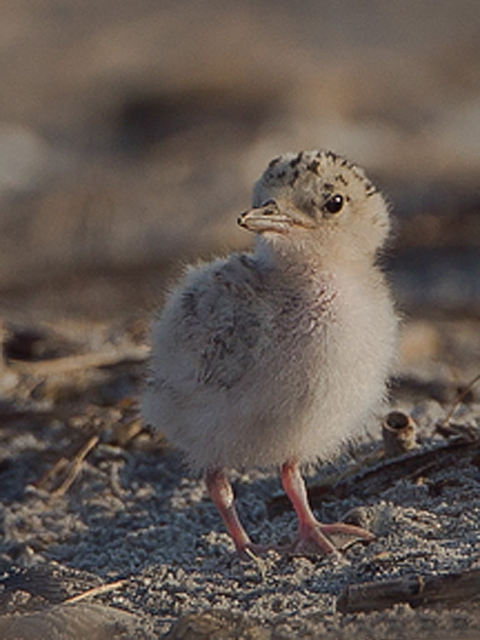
303,261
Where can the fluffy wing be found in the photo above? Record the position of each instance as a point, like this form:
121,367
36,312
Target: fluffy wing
222,324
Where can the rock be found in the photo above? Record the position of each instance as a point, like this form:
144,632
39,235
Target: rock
217,625
75,622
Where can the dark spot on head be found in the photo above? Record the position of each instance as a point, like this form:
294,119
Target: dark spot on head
341,179
331,155
281,174
294,177
313,166
273,162
296,160
328,186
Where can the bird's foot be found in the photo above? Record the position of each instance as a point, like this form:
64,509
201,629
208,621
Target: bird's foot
313,540
326,539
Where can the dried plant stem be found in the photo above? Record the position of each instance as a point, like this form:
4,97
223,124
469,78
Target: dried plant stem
460,398
75,466
95,591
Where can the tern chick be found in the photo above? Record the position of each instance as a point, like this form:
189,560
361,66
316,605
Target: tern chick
276,357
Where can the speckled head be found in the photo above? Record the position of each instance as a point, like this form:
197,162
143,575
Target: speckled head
319,196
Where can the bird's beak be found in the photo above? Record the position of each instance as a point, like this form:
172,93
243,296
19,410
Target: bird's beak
266,218
270,218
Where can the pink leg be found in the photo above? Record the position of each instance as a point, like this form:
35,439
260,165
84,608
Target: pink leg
312,535
221,493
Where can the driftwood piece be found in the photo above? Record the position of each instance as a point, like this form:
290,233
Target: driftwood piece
44,583
415,590
69,364
372,481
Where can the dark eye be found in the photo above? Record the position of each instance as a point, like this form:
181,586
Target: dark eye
334,204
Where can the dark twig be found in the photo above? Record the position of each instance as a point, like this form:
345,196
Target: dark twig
417,590
372,481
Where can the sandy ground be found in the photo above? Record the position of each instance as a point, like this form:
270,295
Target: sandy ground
104,531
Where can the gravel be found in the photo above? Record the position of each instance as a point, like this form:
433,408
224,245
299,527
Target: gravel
140,532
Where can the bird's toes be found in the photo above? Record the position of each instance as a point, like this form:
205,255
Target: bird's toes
328,540
344,535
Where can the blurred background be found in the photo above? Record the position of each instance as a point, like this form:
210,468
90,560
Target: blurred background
131,132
